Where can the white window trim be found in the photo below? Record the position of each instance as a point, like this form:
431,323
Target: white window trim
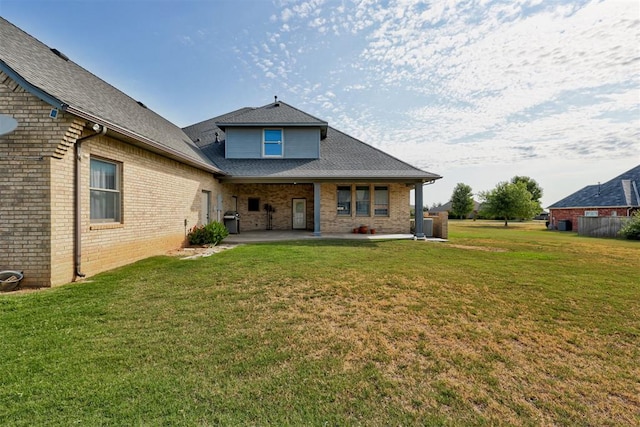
386,187
118,190
281,143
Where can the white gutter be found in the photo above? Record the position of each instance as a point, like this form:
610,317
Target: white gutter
161,149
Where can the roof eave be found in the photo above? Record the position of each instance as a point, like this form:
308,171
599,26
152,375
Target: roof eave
235,179
34,90
595,207
144,142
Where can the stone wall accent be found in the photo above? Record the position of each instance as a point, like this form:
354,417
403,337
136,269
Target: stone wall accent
280,196
441,225
398,220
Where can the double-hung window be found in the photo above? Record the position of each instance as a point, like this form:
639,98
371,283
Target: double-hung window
104,188
363,201
272,143
344,200
381,201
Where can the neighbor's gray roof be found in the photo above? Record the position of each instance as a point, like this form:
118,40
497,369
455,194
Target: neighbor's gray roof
76,90
341,157
447,207
621,191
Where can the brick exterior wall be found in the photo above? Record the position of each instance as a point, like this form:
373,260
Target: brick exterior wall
158,195
572,215
398,220
37,214
27,158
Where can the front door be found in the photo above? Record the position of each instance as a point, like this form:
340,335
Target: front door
206,207
299,214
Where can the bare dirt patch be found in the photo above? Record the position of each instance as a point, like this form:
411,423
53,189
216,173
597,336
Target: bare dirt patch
478,248
201,251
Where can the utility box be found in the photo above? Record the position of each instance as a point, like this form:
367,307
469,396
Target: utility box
427,227
564,225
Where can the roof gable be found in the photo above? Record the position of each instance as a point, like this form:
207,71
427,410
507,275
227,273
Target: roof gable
621,191
275,114
341,157
59,81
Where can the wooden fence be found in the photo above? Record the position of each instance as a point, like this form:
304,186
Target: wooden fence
600,226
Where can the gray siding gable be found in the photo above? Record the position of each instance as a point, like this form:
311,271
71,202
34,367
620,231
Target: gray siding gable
301,143
298,142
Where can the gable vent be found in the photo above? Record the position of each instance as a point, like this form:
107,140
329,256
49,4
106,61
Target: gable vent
60,54
141,104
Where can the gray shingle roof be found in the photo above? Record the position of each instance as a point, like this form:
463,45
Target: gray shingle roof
275,114
341,157
621,191
90,97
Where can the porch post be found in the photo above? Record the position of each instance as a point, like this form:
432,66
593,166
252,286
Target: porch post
419,215
316,209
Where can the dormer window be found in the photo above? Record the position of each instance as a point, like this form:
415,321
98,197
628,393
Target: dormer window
272,144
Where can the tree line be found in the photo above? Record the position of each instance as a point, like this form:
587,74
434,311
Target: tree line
515,199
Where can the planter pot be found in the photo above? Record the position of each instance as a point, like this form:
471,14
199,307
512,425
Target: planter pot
373,231
364,229
10,280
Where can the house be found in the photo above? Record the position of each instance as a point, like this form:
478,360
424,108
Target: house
617,197
314,176
91,179
447,208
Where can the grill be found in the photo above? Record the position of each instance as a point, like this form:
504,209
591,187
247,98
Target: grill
232,221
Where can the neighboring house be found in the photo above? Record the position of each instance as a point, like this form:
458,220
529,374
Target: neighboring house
447,208
91,179
617,197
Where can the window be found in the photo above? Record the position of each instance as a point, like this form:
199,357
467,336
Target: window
254,204
104,188
381,201
363,201
272,143
344,200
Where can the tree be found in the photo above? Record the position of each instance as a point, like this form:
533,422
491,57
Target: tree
509,201
461,201
532,186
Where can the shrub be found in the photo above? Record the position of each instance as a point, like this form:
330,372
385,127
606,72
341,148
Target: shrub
631,230
210,234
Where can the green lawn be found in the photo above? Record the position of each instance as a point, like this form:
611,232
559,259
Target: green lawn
499,326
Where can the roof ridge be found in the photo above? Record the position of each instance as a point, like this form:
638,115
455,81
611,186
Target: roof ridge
216,118
297,109
73,63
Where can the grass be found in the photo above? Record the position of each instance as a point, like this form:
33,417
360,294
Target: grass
500,326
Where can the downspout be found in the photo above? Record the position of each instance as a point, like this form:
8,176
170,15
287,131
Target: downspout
77,247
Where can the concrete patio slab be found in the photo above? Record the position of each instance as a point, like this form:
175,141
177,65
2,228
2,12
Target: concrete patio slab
277,236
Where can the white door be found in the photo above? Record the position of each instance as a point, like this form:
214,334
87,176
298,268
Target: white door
299,214
206,207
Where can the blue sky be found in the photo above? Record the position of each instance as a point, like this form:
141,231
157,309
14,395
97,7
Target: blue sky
476,91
